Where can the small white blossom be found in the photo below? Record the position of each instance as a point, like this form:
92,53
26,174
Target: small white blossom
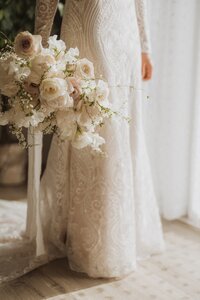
71,55
57,46
26,121
88,139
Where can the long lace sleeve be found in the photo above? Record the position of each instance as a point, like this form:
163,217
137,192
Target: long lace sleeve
44,16
141,11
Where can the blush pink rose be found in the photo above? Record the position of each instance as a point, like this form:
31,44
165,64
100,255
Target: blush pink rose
76,90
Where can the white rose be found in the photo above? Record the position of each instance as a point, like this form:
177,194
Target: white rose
27,45
8,87
61,103
53,93
66,122
39,65
52,88
84,69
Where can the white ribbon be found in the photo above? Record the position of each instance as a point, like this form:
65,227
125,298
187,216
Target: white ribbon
33,222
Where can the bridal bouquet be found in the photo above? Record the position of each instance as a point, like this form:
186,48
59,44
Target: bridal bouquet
52,90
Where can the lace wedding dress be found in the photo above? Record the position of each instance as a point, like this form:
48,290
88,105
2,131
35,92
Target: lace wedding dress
100,212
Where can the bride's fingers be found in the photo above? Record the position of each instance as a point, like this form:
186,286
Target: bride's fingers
146,72
149,72
143,71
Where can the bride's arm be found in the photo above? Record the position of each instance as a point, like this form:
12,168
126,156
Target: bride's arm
44,17
141,12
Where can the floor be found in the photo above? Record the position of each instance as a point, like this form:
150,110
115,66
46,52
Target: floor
173,275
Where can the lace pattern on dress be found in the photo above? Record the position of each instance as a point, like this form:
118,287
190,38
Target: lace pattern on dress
141,12
44,16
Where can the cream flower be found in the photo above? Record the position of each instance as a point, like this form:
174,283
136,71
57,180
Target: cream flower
84,69
71,55
39,65
52,88
57,47
53,92
26,121
27,45
97,141
54,43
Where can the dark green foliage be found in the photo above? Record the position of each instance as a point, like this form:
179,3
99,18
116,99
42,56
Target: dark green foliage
18,15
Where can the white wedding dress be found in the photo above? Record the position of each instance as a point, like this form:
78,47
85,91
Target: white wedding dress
100,212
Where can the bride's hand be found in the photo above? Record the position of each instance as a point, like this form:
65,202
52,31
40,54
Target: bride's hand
147,67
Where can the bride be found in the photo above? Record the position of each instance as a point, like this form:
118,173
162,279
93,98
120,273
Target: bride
100,212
